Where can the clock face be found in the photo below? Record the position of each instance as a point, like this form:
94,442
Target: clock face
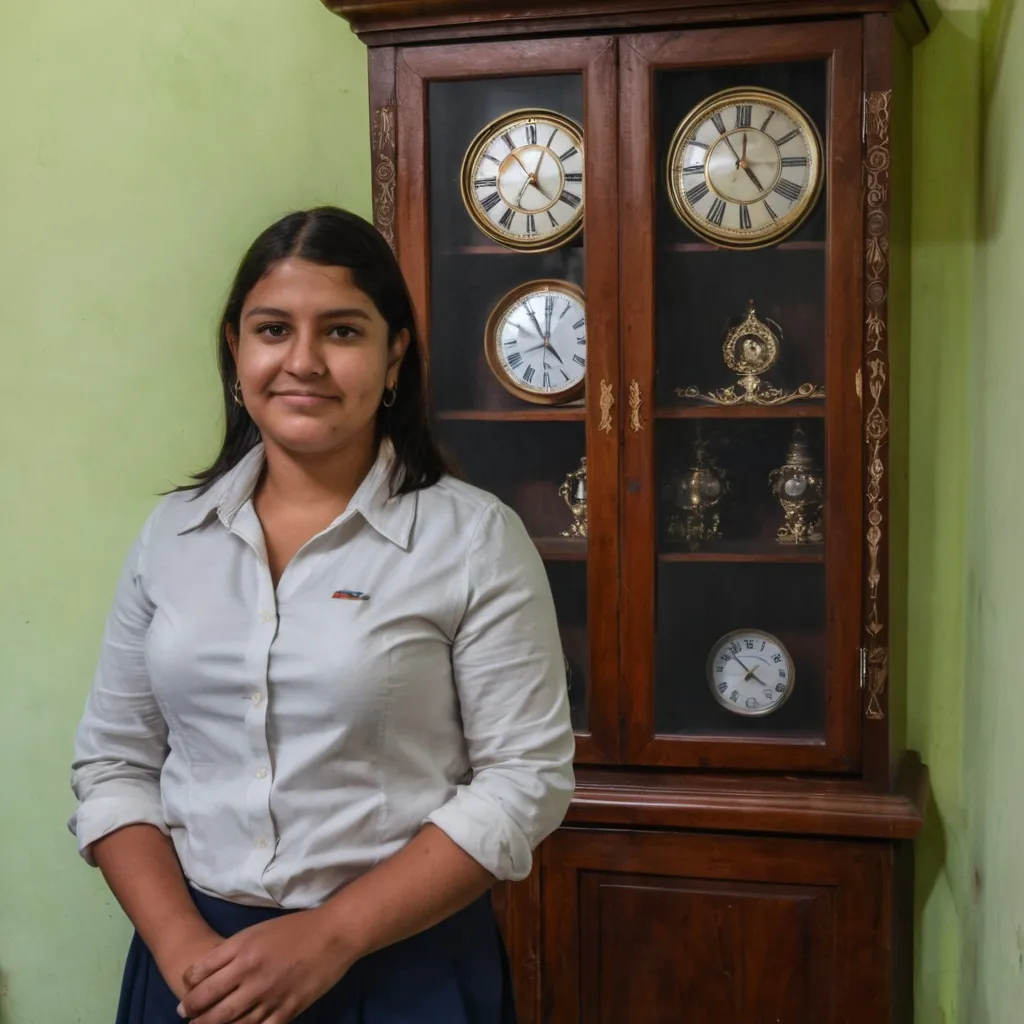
750,672
522,180
536,342
745,168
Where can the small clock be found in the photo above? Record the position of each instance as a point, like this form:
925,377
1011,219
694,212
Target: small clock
745,168
750,672
536,342
522,180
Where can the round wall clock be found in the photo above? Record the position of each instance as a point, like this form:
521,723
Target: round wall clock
536,342
522,180
750,672
745,168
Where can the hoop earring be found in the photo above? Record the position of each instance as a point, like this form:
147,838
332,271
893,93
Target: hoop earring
236,393
390,396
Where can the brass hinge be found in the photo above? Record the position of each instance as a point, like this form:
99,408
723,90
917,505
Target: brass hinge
863,667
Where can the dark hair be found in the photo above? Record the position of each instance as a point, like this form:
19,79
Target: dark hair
335,238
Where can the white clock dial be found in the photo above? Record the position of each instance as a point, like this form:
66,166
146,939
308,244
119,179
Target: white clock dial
522,180
750,672
537,341
745,168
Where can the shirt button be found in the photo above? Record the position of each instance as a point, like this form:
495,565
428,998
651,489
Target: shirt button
263,842
257,697
262,773
265,615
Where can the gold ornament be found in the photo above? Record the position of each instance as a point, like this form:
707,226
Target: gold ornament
698,492
750,350
798,486
573,492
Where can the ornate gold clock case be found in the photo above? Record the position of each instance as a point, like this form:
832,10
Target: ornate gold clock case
710,195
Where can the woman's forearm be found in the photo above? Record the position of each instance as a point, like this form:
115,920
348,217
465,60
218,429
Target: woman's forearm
427,881
142,870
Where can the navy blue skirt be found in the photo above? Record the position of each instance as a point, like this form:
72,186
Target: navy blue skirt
454,973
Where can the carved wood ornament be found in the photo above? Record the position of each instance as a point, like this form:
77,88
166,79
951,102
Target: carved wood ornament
876,356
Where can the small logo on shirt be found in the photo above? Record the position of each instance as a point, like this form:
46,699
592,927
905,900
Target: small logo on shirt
350,595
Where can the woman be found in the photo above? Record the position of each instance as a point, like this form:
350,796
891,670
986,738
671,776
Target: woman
330,706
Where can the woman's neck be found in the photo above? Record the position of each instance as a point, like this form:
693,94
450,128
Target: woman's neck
325,481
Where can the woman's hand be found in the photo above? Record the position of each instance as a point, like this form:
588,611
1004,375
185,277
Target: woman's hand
267,974
178,956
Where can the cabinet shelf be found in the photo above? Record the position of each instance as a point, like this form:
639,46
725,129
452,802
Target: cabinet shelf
809,246
561,549
808,555
547,414
741,412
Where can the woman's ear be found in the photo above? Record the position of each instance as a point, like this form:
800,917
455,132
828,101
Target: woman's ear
396,352
232,338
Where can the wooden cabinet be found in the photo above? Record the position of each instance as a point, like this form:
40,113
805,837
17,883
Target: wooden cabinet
702,452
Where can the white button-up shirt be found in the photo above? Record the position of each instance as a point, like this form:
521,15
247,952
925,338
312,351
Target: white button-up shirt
406,669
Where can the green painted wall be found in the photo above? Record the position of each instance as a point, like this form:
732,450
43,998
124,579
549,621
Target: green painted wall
143,145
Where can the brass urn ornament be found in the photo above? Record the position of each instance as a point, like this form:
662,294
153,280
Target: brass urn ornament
573,492
751,349
698,493
798,485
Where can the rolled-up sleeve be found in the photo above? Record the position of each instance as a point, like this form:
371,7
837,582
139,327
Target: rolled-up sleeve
510,677
121,742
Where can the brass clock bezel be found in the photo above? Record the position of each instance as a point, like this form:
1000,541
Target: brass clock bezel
733,238
565,232
716,649
491,342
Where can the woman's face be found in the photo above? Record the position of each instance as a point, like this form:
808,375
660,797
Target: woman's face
313,358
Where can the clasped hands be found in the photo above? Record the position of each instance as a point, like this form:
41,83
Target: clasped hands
266,974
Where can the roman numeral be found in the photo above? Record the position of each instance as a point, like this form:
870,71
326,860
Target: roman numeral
552,139
531,225
531,134
579,325
564,374
509,342
579,359
570,199
486,183
529,374
744,115
575,177
547,379
581,341
515,359
696,194
788,137
493,159
788,189
568,306
771,212
767,121
490,202
551,217
794,161
506,219
719,122
570,152
693,169
699,145
506,137
745,222
717,214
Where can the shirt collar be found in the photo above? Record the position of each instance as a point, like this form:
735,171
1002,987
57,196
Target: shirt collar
392,518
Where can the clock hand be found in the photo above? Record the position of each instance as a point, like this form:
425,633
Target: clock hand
728,142
753,177
522,192
515,156
533,317
750,671
743,159
549,308
543,192
554,353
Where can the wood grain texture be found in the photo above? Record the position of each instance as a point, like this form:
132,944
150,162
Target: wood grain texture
754,803
394,22
702,928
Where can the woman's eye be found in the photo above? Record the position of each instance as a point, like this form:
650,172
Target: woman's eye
343,331
272,330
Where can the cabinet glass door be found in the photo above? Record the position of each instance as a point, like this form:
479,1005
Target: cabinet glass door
520,304
742,506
